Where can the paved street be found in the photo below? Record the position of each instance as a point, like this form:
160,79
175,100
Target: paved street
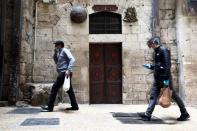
94,118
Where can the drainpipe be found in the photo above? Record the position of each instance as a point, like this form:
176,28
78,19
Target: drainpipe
35,43
180,42
155,17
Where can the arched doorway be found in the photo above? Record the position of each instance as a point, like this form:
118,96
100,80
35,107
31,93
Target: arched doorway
105,60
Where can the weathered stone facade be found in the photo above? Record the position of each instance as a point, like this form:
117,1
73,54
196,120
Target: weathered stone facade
44,23
186,39
26,55
54,24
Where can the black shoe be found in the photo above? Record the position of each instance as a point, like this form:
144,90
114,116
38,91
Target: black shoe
144,117
183,117
72,108
46,109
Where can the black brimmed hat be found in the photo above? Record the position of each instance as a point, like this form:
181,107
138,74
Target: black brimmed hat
59,42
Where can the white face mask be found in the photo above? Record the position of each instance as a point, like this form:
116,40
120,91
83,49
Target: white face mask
57,49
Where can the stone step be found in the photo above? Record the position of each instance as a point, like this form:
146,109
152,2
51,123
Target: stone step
3,103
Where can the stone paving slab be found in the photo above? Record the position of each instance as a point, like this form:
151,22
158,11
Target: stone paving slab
97,117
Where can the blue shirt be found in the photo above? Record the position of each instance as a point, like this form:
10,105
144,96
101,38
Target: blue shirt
64,60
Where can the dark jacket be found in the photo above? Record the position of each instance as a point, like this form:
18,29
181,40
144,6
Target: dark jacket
162,63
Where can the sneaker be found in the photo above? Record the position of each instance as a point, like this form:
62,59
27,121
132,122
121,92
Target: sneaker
183,117
73,108
144,117
46,109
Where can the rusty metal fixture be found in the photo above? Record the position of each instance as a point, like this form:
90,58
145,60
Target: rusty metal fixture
105,8
130,15
78,14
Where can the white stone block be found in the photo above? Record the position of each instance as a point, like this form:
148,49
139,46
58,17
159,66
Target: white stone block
144,37
131,37
167,24
107,38
171,33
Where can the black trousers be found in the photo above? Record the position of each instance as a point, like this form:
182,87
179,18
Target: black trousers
155,91
56,86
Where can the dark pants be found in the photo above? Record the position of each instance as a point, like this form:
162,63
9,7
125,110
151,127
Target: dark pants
56,86
155,91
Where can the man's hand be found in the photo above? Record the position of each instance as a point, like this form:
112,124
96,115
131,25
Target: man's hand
166,83
148,66
67,73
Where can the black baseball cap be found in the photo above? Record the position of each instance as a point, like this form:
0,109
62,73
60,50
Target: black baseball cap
59,42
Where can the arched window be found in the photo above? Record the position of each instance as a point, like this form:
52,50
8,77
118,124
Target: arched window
105,23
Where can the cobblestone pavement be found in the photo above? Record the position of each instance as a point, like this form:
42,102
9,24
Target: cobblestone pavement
94,118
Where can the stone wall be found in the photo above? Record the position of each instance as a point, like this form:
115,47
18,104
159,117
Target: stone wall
167,24
54,24
26,51
186,39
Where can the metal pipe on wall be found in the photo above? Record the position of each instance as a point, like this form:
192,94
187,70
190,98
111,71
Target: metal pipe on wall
35,33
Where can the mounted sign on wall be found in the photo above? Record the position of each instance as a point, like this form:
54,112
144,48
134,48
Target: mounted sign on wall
105,8
130,15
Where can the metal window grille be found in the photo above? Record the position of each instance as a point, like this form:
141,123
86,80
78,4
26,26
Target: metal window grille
105,23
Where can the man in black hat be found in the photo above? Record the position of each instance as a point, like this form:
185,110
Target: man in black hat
162,79
64,62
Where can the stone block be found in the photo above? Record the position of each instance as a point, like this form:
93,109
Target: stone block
84,75
46,8
164,34
64,1
137,79
22,80
140,87
60,30
143,96
38,78
131,45
40,94
106,38
76,77
164,24
54,19
144,29
144,36
44,32
193,37
167,4
126,71
166,14
138,102
128,29
131,37
171,33
143,45
78,29
23,57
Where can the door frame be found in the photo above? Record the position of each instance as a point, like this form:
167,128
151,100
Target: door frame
90,43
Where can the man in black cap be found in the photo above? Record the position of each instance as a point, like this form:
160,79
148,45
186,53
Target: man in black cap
162,79
64,62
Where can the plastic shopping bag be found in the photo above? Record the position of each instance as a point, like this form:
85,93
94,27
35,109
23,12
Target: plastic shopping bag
165,98
66,85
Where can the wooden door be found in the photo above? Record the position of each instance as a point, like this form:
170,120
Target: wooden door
105,73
